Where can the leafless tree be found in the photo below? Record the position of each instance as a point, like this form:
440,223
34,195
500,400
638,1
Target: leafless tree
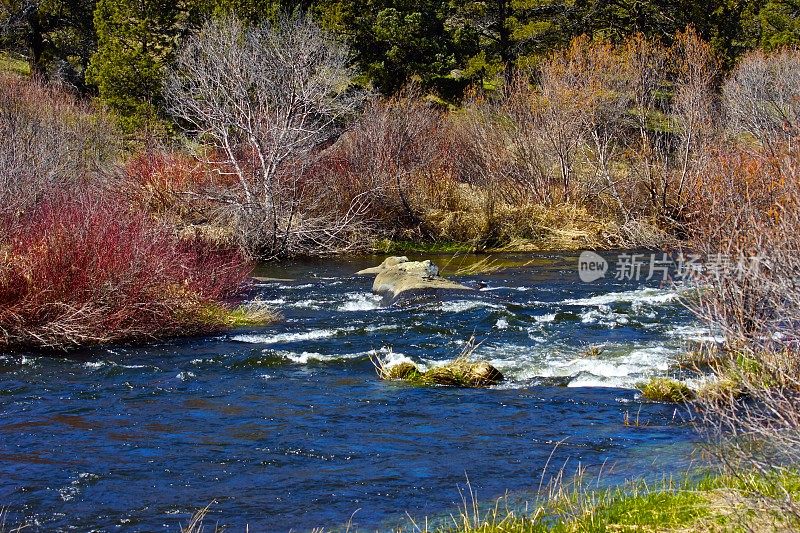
692,112
565,92
762,96
261,102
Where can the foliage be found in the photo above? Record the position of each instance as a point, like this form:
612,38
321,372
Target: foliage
56,36
446,45
136,43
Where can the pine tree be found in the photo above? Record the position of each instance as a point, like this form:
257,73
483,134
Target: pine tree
56,36
780,24
136,41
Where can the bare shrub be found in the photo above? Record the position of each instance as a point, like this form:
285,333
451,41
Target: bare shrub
576,101
261,101
583,134
692,111
762,96
50,139
390,156
673,94
746,226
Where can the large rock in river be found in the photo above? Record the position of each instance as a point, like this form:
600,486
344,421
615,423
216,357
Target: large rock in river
398,275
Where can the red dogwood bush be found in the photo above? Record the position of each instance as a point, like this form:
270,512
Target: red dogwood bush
86,268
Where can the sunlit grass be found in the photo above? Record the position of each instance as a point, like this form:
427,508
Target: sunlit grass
666,390
14,65
708,503
254,313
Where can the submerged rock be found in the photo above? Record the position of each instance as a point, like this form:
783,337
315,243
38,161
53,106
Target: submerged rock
398,275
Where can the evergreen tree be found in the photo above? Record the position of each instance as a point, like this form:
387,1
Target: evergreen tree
503,33
136,41
56,36
780,24
394,41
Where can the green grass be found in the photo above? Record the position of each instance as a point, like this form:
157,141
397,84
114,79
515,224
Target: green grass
666,390
705,503
255,313
388,246
12,64
696,502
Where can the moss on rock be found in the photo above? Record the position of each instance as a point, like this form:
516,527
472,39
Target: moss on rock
456,373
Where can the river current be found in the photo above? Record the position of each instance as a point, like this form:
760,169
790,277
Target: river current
287,426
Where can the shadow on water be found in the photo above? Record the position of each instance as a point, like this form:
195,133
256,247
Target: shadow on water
288,427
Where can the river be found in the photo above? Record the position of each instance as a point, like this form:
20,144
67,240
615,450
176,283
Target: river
287,427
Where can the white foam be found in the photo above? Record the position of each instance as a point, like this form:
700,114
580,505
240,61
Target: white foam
640,296
604,316
276,301
303,358
695,333
490,289
616,366
286,337
502,323
459,306
308,304
545,318
360,302
590,380
383,327
392,358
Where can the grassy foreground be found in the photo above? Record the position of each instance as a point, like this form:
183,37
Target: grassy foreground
717,503
746,502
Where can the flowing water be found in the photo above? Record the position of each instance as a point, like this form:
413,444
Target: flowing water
287,427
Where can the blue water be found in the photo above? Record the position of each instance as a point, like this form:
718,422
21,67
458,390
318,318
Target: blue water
287,427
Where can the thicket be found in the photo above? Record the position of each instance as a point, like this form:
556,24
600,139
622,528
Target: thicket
79,262
600,145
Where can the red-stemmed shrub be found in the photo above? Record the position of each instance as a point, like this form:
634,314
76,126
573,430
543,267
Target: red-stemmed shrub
83,267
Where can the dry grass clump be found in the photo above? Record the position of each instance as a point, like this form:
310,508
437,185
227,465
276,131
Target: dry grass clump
524,228
197,522
460,372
